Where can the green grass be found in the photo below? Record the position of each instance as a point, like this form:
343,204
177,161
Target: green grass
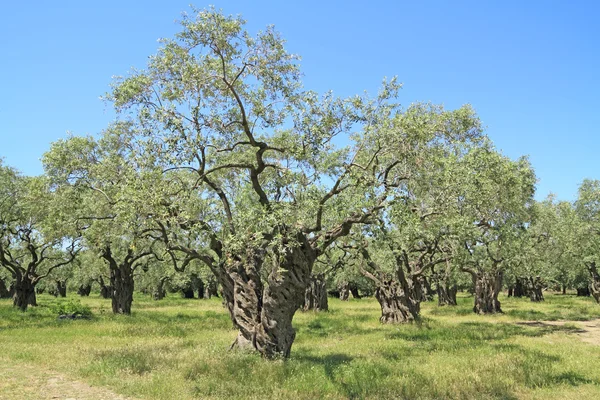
178,348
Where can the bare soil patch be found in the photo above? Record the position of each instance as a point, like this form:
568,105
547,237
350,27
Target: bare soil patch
587,331
29,382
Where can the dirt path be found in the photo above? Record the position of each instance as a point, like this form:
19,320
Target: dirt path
26,382
587,331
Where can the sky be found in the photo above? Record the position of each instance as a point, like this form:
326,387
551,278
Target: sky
529,68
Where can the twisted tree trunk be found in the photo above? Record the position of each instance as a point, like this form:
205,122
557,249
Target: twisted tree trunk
315,296
121,283
595,283
536,289
24,294
263,314
201,288
283,297
105,290
61,288
354,290
422,289
397,306
344,291
159,292
487,287
521,288
211,289
583,292
446,294
4,291
84,290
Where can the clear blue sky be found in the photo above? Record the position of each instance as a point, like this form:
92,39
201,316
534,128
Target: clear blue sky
530,68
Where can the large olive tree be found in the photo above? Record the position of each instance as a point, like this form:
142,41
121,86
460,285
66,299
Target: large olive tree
261,174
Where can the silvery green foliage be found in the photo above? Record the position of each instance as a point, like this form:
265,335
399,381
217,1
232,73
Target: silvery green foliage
36,233
243,149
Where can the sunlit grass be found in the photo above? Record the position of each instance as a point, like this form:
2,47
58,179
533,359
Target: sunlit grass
178,348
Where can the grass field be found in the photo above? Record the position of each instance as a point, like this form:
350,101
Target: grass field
178,349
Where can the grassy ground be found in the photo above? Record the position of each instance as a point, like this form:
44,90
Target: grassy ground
178,348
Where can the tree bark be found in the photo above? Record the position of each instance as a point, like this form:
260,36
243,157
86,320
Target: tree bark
446,294
595,281
315,296
344,291
536,289
201,288
105,290
24,295
61,288
211,289
159,292
487,287
520,288
122,286
263,314
583,292
84,290
397,306
4,291
422,289
354,290
283,296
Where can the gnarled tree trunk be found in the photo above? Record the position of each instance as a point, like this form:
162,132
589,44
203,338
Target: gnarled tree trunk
200,288
354,290
344,291
84,290
487,287
397,306
595,283
536,288
422,289
315,296
520,288
263,314
61,288
211,289
159,292
283,297
105,290
122,286
446,294
583,292
4,291
24,294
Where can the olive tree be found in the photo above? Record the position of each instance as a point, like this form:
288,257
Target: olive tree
416,235
35,235
498,193
111,207
264,159
588,210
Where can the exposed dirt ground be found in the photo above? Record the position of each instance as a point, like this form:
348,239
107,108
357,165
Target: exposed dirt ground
587,331
46,385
